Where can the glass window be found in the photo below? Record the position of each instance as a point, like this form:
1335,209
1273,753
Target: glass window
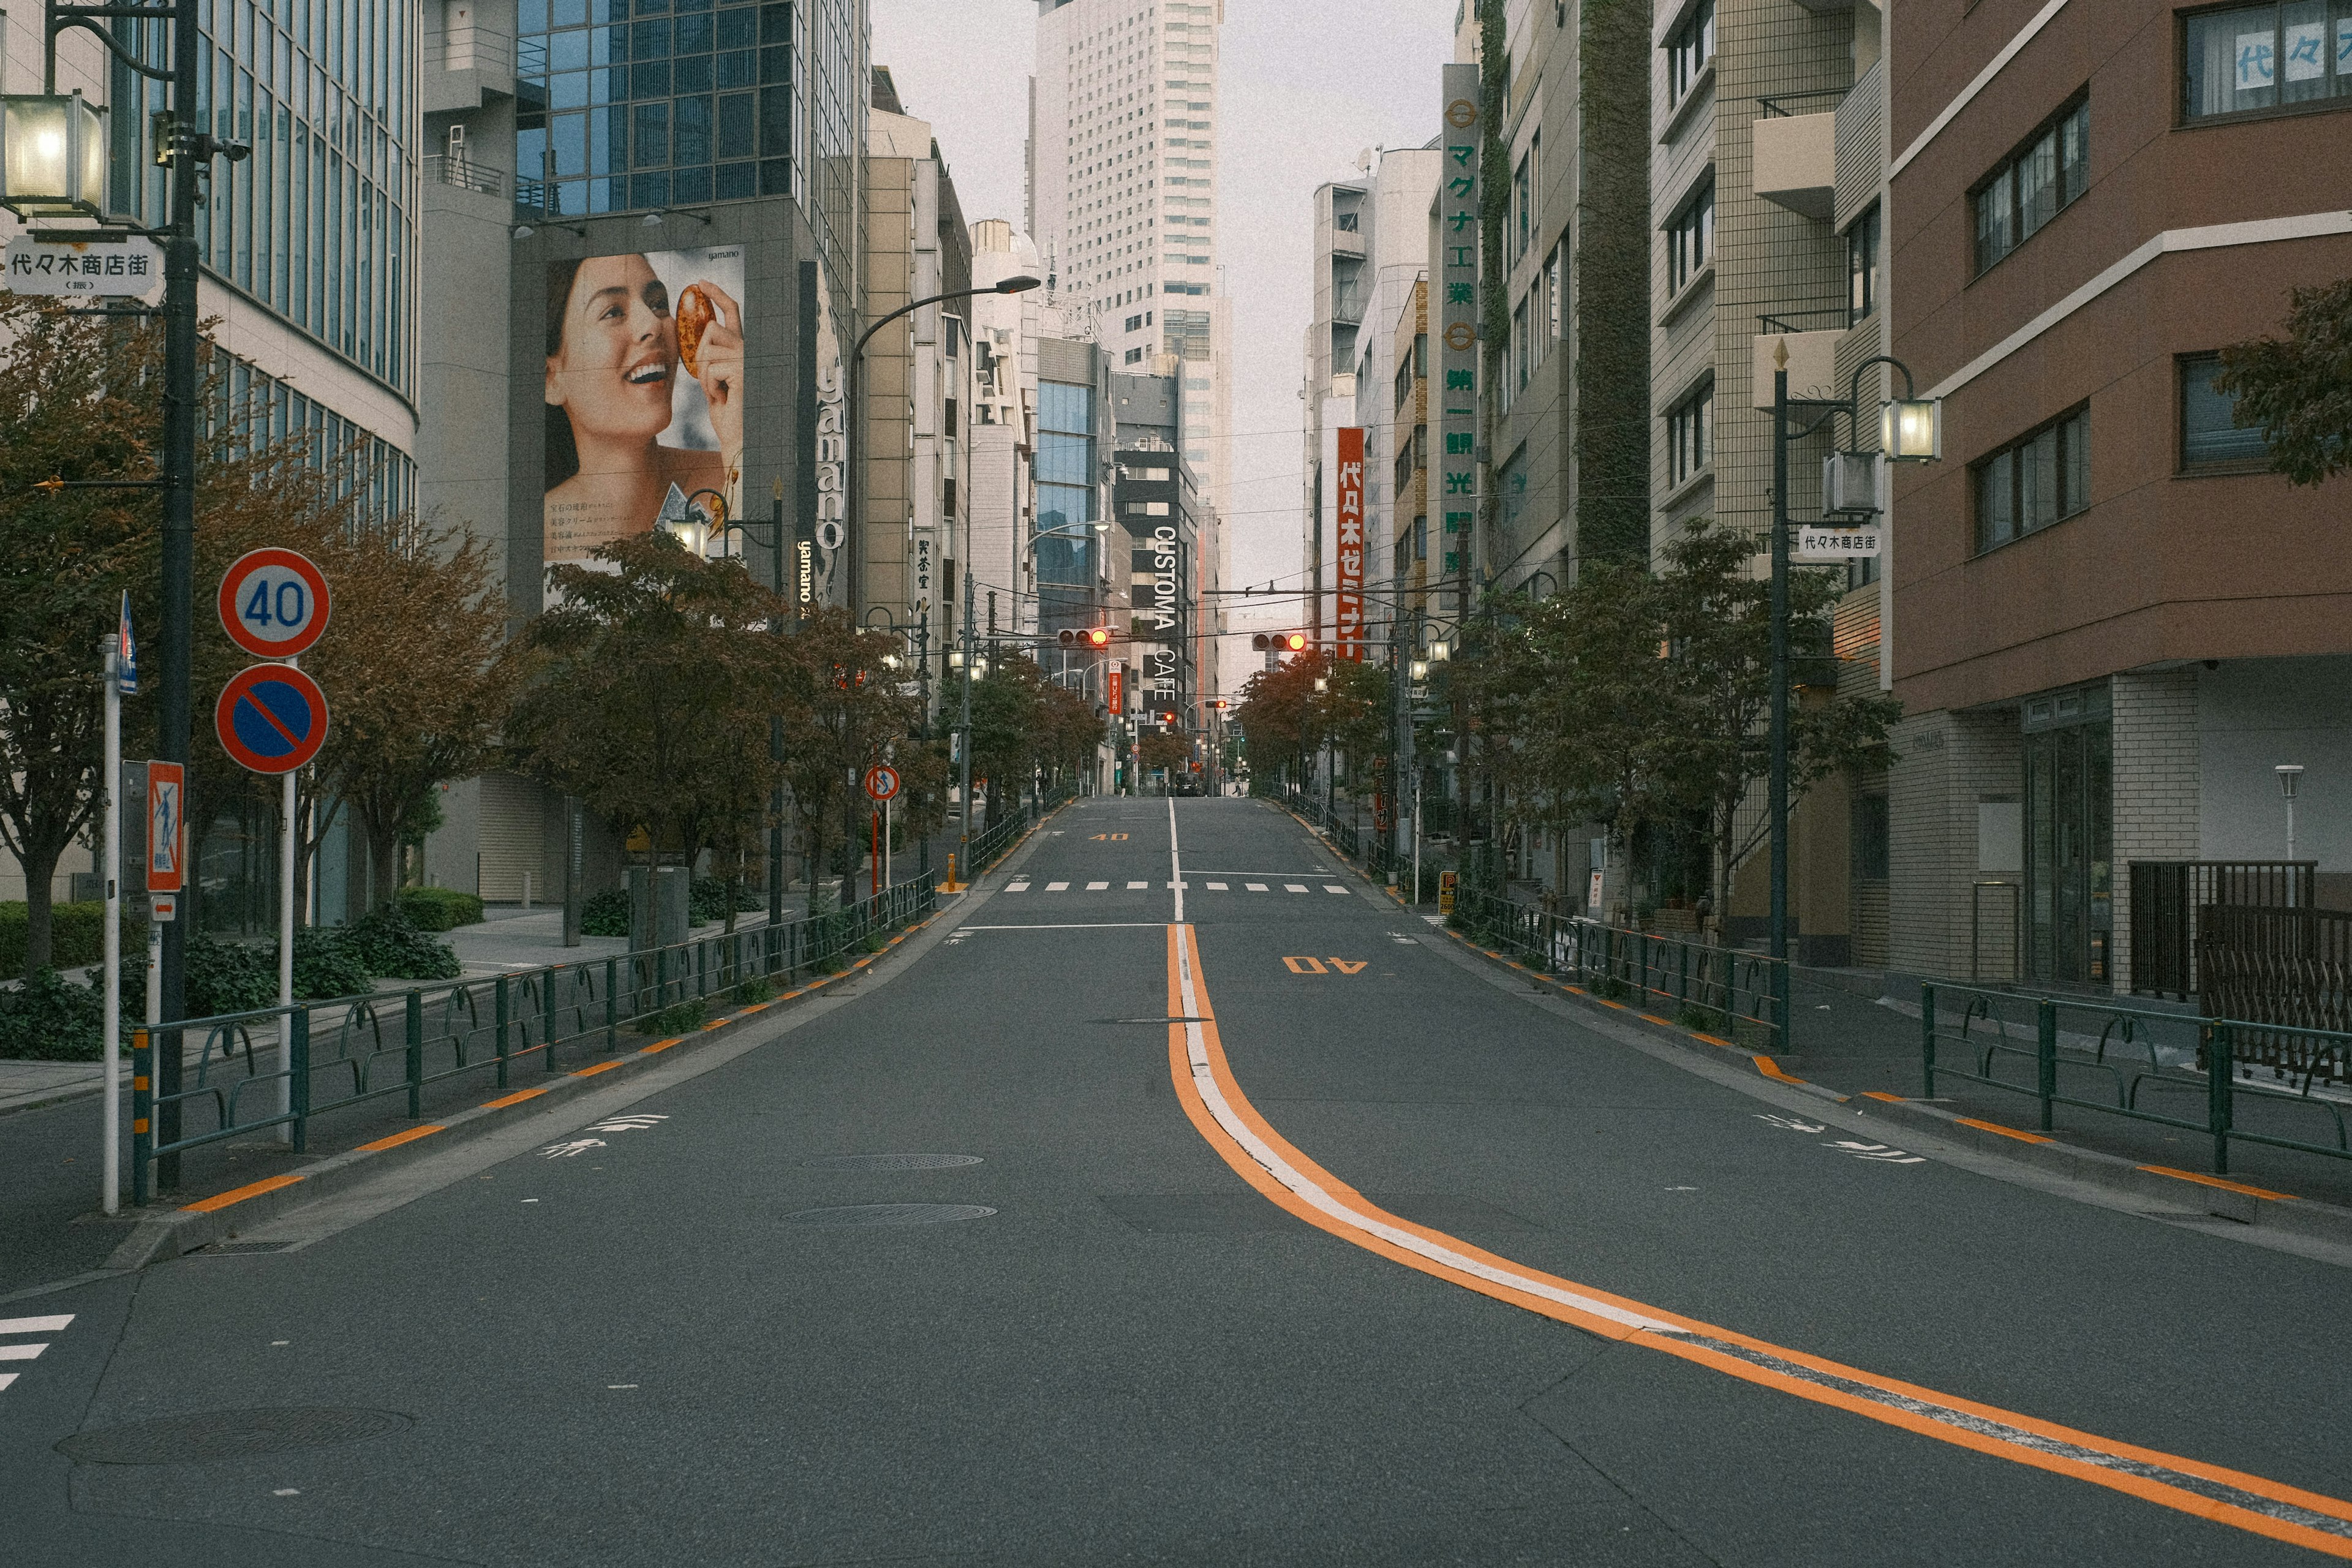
1690,238
1690,51
2209,433
2034,482
1690,434
2033,185
2266,56
1861,267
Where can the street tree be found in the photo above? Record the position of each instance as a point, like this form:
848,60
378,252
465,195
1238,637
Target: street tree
2298,388
844,713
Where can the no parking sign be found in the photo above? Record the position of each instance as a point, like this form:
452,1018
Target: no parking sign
272,718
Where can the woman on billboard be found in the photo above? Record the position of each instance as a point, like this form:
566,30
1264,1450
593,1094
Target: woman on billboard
615,347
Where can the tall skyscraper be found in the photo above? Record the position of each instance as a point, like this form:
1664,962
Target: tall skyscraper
1122,180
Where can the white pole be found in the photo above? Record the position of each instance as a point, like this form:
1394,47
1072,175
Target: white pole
286,958
111,870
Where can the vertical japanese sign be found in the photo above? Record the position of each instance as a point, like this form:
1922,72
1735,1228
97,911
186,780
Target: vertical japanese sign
167,829
1350,598
1118,690
1454,268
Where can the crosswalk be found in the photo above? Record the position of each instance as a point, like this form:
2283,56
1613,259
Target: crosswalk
1025,884
15,1347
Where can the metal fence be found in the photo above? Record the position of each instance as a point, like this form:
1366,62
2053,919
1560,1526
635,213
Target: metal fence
2135,1058
1717,990
2169,896
997,839
283,1066
2279,966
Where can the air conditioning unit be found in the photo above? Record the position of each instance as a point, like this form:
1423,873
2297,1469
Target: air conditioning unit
1853,483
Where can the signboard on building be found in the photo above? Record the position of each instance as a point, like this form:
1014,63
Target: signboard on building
644,392
1349,597
1832,541
1453,320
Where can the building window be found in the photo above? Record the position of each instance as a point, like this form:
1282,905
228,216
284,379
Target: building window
1421,539
1521,204
1690,51
1522,341
1554,275
1690,238
1872,838
2034,482
1690,434
2266,56
2209,433
1861,267
2033,184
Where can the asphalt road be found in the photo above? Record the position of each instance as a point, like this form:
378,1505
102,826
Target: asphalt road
1375,1256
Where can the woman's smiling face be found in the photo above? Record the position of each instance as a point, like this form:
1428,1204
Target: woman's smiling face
619,358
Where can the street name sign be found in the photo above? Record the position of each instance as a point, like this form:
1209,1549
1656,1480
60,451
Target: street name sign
62,266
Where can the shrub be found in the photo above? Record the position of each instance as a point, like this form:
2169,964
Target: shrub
327,963
675,1019
230,977
52,1019
605,913
706,901
439,909
756,989
389,944
77,935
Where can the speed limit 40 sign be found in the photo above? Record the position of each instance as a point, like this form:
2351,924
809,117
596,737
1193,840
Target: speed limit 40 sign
274,603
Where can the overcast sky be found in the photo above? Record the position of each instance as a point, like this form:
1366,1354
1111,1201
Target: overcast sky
1306,85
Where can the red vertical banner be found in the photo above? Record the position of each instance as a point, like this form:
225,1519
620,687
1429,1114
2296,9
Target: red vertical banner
1118,690
1350,608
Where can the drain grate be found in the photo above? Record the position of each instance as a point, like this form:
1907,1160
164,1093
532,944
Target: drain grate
228,1434
879,1214
890,1162
234,1248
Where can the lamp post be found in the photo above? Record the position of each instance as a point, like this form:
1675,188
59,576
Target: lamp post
854,421
2289,775
1911,431
53,163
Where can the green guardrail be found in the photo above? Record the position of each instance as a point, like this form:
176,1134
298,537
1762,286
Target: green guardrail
284,1066
2069,1042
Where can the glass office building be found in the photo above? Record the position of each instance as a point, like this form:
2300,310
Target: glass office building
1066,503
627,104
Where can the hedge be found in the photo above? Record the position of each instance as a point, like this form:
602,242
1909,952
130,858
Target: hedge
440,908
77,935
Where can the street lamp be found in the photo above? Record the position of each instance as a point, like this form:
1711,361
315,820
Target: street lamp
52,154
854,415
2289,775
1912,431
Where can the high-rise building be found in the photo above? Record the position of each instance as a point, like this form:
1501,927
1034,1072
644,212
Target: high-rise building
1122,180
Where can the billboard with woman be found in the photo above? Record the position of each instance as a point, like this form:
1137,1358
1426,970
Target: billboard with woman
645,393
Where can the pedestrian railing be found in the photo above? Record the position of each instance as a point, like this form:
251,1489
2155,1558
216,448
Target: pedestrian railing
997,839
2136,1062
1718,991
282,1066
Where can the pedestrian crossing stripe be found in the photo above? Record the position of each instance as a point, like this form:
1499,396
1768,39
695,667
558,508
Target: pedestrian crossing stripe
1024,886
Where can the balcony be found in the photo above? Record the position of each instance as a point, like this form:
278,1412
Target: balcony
467,175
1812,361
1796,162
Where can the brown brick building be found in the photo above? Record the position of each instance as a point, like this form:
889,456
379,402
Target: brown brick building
2109,622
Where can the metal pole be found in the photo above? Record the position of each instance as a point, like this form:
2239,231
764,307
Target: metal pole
1777,803
111,871
178,544
776,750
963,818
286,802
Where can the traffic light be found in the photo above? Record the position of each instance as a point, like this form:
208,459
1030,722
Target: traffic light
1279,642
1087,637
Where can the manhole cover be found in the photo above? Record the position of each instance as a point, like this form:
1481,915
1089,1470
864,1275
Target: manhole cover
228,1434
892,1214
890,1162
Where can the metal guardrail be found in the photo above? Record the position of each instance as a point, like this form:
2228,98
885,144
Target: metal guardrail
281,1067
1716,990
997,839
463,174
2074,1041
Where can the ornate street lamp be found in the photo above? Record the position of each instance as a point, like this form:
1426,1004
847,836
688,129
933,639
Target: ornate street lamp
52,154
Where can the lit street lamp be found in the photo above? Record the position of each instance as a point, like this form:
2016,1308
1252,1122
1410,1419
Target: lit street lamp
1911,430
52,154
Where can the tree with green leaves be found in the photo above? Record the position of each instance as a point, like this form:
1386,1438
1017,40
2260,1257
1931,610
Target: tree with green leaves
844,713
2298,388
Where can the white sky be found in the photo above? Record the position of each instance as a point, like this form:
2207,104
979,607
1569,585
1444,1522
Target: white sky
1305,86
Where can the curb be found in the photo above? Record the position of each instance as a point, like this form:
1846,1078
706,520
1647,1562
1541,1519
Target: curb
2174,1193
163,1234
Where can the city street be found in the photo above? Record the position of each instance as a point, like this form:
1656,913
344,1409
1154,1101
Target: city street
1261,1222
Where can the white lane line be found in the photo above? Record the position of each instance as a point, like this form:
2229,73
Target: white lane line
1179,886
1294,887
1133,886
1254,887
1216,886
1081,925
1175,862
35,1325
1058,887
1096,887
23,1352
6,1378
1204,1081
1016,887
1333,888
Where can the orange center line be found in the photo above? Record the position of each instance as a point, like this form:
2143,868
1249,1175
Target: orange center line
1213,1102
